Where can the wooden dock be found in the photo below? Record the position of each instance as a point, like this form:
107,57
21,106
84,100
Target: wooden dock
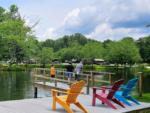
43,105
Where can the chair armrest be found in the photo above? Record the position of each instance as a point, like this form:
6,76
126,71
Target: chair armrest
65,92
106,87
58,91
97,88
102,87
122,86
125,88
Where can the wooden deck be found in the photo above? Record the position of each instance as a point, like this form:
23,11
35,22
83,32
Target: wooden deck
42,105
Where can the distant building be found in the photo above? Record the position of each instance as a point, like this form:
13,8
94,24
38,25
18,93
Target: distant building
99,61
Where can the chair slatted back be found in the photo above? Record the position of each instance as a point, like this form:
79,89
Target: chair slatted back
129,86
114,88
74,91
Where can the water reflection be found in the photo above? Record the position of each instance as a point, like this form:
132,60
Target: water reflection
15,85
18,85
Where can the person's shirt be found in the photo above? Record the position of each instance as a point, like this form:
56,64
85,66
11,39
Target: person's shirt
52,71
79,68
69,68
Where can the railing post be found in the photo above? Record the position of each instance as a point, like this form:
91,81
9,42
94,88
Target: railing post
55,82
93,78
44,73
64,72
140,84
88,85
110,78
35,92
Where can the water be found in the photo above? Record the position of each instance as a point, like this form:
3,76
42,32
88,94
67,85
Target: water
16,85
128,73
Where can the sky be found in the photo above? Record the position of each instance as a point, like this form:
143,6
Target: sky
96,19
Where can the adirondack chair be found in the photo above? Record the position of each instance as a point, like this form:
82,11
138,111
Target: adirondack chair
124,94
105,97
69,98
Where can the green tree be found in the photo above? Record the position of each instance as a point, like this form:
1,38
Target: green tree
2,14
122,52
14,14
32,48
93,50
144,46
13,34
46,55
70,53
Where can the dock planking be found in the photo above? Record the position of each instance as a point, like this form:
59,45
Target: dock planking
43,105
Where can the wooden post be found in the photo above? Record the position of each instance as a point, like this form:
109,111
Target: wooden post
93,78
140,84
110,78
55,82
69,82
88,85
64,72
44,73
35,92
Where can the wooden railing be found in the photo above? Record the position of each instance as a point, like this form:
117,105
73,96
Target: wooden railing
42,74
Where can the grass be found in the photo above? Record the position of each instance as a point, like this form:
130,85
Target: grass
145,97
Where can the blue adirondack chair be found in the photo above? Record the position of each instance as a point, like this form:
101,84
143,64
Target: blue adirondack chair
123,95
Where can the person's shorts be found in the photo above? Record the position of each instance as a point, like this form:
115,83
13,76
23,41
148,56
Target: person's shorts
53,76
69,74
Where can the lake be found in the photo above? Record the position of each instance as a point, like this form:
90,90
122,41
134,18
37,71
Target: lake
18,85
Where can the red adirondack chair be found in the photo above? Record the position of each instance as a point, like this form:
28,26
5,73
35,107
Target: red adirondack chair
107,97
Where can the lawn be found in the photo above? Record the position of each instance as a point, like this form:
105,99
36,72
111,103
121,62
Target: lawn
144,98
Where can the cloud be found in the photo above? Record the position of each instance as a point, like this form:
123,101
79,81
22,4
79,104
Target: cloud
107,19
49,33
105,31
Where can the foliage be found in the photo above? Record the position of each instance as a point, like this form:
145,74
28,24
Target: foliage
92,50
18,45
144,98
122,52
67,41
14,36
46,55
70,53
144,46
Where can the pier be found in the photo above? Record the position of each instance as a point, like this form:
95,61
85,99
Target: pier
43,105
42,79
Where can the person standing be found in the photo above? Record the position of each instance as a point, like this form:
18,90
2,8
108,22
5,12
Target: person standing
52,71
78,70
69,71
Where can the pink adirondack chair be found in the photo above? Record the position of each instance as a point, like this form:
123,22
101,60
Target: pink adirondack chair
107,97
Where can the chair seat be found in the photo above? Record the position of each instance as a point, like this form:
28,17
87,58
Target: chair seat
70,97
63,98
124,93
104,95
119,93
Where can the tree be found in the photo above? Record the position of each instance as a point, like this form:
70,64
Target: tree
15,52
122,52
32,48
2,14
13,34
14,14
144,46
70,53
46,55
93,50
